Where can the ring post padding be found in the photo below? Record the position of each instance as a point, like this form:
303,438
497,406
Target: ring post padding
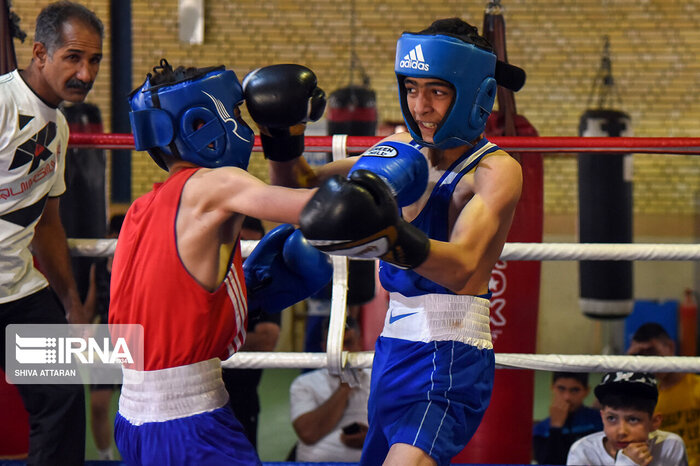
340,146
336,326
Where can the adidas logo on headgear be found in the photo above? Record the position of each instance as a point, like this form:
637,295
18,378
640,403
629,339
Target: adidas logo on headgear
415,60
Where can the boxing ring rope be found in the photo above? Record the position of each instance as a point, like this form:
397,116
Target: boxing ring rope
646,145
511,251
342,363
337,361
541,362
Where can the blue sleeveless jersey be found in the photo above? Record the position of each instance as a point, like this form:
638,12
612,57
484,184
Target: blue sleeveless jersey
433,221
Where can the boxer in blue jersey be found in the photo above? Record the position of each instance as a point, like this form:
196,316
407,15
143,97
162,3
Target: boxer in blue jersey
456,195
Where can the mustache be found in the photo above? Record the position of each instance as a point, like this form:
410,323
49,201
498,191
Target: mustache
75,83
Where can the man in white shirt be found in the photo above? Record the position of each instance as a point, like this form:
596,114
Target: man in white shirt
330,416
66,57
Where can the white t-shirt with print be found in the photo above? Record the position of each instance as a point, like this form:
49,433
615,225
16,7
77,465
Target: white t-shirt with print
33,140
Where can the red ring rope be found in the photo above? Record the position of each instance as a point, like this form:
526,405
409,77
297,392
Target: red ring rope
687,146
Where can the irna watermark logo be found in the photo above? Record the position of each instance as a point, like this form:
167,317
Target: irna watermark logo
67,354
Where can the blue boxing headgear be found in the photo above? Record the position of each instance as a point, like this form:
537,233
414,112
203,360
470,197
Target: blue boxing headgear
467,68
192,119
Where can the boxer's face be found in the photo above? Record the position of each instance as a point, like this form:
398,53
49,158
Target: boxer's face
71,69
429,100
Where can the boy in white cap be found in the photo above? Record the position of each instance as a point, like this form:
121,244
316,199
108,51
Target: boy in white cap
630,435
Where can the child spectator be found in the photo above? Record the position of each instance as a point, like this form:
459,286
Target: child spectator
630,434
568,420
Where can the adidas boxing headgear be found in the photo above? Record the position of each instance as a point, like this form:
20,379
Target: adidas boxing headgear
466,67
192,119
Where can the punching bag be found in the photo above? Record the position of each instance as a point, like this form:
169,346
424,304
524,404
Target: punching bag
515,286
605,216
352,110
83,207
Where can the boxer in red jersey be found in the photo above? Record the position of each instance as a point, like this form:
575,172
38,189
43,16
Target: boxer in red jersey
165,274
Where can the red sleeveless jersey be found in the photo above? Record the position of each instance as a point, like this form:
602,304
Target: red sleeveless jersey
183,323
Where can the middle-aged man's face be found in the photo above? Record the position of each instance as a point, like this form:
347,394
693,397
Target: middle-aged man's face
71,70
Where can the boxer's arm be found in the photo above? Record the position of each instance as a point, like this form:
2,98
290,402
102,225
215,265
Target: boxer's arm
298,173
480,230
229,190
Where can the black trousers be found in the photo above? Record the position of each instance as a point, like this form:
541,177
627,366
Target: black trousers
56,412
242,388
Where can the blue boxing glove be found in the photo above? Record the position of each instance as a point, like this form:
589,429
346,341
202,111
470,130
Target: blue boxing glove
402,166
284,269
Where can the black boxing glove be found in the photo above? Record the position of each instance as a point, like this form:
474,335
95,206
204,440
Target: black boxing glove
281,99
358,217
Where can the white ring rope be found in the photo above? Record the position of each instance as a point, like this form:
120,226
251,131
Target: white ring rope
600,251
598,363
92,247
337,360
511,251
541,362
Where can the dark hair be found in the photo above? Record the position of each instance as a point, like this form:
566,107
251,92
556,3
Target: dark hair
115,224
625,401
164,74
252,223
650,331
506,75
580,377
50,21
460,29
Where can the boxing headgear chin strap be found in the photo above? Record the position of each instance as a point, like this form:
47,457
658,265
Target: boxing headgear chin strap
192,120
469,69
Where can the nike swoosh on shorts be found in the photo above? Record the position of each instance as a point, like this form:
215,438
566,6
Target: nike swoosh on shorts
393,318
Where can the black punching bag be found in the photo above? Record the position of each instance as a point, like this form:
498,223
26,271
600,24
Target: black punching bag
352,110
605,216
83,207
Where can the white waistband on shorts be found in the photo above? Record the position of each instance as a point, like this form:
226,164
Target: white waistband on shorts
439,317
172,393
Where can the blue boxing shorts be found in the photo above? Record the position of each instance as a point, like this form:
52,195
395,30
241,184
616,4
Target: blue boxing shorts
180,416
431,395
213,438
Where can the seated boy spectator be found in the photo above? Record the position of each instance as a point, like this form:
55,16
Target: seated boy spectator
679,393
630,434
568,420
330,416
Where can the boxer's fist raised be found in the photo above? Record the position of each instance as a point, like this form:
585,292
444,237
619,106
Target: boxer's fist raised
358,217
402,166
281,99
